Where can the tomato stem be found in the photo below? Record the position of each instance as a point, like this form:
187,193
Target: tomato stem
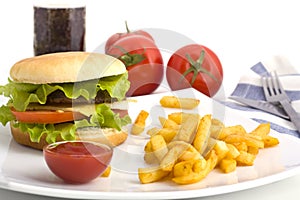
130,59
196,67
127,29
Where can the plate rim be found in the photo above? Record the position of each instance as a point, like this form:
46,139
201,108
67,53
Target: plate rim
183,194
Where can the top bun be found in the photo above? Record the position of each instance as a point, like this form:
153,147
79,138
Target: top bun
66,67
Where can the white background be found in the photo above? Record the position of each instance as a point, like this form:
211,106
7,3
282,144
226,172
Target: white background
241,33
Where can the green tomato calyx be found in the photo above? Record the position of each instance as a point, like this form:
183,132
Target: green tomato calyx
130,59
196,67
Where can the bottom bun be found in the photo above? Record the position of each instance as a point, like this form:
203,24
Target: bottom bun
108,136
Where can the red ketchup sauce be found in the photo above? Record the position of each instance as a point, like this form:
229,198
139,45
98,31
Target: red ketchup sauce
77,162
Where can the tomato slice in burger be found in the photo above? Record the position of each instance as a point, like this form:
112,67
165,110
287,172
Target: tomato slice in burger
47,117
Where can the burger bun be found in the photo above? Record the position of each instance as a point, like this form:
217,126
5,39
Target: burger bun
108,136
64,67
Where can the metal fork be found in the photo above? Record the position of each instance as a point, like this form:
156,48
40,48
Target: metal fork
275,93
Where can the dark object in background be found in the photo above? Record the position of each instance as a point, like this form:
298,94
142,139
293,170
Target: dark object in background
59,29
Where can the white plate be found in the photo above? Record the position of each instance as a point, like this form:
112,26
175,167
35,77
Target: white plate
23,169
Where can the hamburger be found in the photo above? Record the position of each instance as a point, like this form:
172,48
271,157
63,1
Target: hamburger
66,96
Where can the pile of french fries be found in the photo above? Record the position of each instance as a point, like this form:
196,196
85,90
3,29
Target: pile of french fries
187,146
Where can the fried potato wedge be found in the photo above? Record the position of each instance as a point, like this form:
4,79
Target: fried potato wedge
187,167
245,158
250,141
262,130
180,117
151,174
176,102
228,165
139,124
187,130
107,171
168,123
159,146
172,156
168,134
198,175
203,133
229,130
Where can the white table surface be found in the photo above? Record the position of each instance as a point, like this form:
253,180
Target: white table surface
241,33
286,189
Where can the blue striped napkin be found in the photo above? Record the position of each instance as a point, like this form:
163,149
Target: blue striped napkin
250,87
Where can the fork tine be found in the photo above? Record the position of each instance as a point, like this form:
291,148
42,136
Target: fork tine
274,80
271,85
278,84
265,87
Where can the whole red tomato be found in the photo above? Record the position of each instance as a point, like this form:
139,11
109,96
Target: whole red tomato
195,66
143,61
117,36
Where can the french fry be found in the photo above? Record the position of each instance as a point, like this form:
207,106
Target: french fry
245,158
107,171
253,150
198,175
139,124
186,167
270,141
250,141
150,158
192,177
151,174
159,146
178,142
167,133
256,137
229,130
153,131
228,165
199,165
168,123
187,130
148,147
180,117
149,155
176,102
216,128
233,152
172,156
183,168
262,130
213,159
203,133
221,149
240,146
190,153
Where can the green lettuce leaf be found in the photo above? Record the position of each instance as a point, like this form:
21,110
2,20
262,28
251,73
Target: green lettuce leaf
22,94
104,117
117,86
6,115
52,131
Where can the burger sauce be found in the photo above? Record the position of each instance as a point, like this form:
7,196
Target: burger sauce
77,162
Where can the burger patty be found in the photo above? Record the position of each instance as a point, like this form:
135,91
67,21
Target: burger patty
59,97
